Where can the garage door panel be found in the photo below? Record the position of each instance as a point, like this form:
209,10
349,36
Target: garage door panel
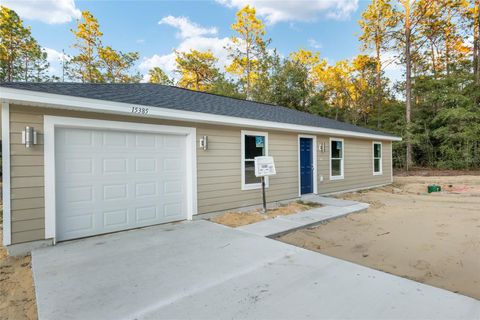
77,194
111,181
115,218
146,189
114,165
78,222
146,214
172,209
114,139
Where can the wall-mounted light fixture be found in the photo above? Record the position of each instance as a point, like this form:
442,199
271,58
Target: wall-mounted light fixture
29,137
204,143
322,146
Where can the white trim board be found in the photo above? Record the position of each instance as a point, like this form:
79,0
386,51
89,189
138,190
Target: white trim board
314,163
94,105
52,122
7,231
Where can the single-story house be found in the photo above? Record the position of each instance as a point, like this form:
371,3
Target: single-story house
86,159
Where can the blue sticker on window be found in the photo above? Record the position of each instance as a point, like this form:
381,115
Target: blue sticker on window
259,141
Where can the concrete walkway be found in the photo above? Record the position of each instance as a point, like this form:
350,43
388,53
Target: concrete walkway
332,208
201,270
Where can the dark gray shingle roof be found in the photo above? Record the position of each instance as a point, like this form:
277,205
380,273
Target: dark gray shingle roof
182,99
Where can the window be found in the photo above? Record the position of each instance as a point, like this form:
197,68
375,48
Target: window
254,144
336,159
377,158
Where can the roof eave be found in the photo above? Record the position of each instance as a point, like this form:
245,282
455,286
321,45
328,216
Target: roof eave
58,101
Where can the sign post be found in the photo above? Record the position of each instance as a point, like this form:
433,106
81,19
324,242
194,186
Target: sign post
264,166
263,195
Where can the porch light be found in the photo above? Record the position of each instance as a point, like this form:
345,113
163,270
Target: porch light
29,137
204,142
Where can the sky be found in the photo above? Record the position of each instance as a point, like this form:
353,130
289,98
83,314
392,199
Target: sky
155,28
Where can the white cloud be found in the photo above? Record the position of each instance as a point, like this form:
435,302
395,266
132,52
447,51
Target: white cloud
314,44
296,10
187,29
167,61
54,55
193,37
48,11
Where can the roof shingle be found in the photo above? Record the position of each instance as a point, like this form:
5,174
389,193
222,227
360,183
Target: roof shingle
170,97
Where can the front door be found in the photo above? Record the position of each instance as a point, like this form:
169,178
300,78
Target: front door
306,165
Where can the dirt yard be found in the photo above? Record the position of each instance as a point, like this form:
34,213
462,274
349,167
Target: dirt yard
236,219
431,238
17,293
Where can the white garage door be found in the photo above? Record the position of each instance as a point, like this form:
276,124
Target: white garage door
114,180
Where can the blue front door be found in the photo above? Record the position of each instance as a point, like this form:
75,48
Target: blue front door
306,165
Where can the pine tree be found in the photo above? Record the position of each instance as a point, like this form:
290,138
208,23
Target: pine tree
248,48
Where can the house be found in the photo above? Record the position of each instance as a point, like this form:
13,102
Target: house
99,158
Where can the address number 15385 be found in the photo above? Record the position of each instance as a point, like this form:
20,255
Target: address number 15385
140,110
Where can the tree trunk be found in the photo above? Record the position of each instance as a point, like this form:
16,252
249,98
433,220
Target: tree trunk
434,61
10,59
248,74
475,56
447,51
477,34
26,69
408,84
379,85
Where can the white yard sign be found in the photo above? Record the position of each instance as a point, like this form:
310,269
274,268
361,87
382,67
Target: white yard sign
264,166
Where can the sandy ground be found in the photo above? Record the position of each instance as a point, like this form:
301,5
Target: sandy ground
431,238
17,293
236,219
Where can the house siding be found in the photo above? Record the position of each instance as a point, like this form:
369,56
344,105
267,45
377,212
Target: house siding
358,166
218,168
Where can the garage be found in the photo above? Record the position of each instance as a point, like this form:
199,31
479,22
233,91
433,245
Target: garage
109,180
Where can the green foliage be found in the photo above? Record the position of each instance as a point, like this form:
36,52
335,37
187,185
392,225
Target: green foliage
21,57
158,76
95,63
116,65
225,87
446,126
291,86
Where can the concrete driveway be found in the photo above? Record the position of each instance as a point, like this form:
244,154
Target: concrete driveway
201,270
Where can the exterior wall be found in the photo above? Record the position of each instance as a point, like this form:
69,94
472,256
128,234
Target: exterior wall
358,166
218,168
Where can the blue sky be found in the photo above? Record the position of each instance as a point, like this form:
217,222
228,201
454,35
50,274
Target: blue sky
155,27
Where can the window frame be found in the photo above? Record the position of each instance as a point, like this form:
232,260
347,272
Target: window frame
251,186
342,159
377,173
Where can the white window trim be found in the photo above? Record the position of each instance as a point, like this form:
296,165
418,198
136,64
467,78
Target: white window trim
7,235
379,173
244,133
314,160
342,163
53,122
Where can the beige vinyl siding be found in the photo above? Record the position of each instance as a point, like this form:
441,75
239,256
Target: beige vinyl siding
26,179
218,168
358,166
